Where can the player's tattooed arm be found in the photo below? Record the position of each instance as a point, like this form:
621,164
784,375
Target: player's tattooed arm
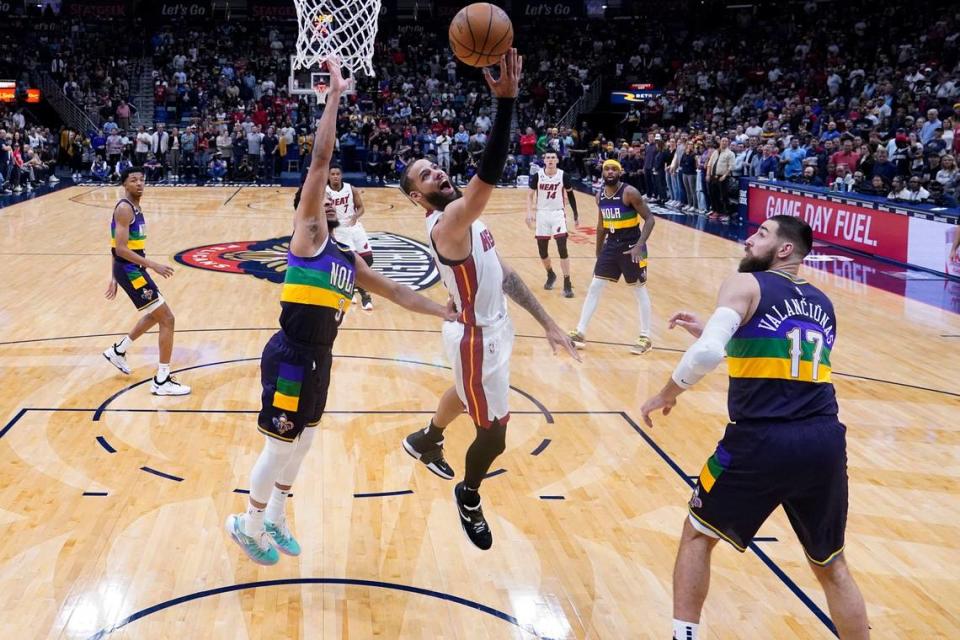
520,293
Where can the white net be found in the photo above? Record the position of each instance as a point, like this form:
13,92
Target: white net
346,28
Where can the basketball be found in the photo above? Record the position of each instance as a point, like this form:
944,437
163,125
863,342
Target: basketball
480,33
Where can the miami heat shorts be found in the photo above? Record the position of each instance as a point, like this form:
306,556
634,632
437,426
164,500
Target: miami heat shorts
551,224
354,237
480,358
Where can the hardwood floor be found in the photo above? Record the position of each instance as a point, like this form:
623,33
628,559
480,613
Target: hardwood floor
112,501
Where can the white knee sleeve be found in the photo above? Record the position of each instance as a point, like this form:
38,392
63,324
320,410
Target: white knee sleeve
275,456
289,473
590,304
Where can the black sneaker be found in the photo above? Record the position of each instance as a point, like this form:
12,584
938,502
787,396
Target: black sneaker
428,452
472,521
568,292
551,278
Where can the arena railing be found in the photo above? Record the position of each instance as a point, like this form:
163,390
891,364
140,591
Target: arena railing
69,111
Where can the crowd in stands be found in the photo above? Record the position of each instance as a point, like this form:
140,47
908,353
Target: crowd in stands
798,93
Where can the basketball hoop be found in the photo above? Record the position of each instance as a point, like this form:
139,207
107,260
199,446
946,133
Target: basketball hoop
345,28
321,90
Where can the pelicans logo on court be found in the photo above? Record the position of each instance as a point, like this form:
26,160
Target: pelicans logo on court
399,258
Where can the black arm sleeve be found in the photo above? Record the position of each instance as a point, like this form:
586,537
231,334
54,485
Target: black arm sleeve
495,154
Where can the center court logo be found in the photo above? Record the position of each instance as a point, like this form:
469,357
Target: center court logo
397,257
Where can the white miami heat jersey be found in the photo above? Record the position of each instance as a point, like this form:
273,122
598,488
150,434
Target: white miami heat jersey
476,283
343,202
550,191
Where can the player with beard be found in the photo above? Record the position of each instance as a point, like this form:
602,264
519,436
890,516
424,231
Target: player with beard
295,366
784,444
621,251
479,343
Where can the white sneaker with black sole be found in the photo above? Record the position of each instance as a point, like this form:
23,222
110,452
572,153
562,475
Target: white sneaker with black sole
169,387
117,359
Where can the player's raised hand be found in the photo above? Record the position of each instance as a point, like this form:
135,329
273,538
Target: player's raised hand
111,291
338,83
688,321
508,84
560,340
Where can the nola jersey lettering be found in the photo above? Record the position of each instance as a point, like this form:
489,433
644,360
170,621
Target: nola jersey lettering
316,294
615,213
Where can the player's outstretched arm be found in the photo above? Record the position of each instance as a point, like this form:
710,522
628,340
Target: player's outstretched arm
520,293
400,294
459,215
309,222
736,303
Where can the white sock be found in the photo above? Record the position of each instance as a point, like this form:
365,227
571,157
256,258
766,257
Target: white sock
684,630
590,304
163,372
276,504
122,346
643,301
253,521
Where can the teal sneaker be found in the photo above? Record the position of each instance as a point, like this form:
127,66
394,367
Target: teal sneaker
257,548
281,537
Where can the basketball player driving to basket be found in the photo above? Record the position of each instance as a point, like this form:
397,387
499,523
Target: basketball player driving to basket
480,341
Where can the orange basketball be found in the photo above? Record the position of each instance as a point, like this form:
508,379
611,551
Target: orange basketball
480,33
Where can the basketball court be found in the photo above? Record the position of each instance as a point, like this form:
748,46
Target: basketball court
112,501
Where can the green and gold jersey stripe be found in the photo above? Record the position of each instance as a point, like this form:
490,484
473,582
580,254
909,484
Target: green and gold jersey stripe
776,369
773,348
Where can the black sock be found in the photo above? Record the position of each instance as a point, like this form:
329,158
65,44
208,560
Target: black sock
434,433
551,273
489,443
470,497
566,282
